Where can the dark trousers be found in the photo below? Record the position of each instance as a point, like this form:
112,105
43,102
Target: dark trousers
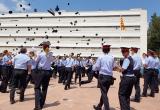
41,80
137,84
0,72
83,71
6,73
156,80
69,74
104,82
90,78
61,71
125,90
19,77
78,73
149,81
88,71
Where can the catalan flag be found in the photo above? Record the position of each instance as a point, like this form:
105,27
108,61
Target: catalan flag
122,26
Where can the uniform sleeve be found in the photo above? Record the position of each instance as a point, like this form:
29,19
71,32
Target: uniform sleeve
38,59
97,65
125,64
29,61
146,60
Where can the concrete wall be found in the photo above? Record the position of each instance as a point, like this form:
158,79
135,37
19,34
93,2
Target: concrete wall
83,33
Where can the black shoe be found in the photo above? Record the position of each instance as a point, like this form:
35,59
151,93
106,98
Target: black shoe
12,101
59,81
96,107
21,100
156,91
79,84
65,88
5,91
143,95
135,100
152,95
69,87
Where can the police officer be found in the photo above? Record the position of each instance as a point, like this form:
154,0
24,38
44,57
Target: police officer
42,76
78,68
22,67
156,72
6,71
104,65
127,79
149,75
60,69
69,71
32,56
136,69
89,64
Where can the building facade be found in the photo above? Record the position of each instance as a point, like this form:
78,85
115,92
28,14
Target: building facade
78,32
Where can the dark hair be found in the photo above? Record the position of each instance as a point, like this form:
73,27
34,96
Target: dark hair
45,46
106,50
23,50
5,51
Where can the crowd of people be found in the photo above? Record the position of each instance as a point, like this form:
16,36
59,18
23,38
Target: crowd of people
16,71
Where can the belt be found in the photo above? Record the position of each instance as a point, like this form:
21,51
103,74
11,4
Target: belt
129,75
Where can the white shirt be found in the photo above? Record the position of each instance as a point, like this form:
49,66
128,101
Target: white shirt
157,63
137,62
150,62
104,64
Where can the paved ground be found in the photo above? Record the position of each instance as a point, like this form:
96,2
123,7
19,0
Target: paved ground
77,98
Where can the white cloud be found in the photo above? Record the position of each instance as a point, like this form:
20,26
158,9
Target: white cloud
3,8
23,3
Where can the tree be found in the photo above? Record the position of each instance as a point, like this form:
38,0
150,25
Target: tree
154,33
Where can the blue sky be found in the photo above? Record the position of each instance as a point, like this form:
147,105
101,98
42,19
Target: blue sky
78,5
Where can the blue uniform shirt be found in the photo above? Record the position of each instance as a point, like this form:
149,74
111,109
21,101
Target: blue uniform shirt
21,61
33,63
69,62
104,64
157,63
126,63
44,61
150,62
78,63
5,59
137,62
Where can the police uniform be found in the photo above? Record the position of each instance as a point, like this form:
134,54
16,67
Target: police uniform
136,69
21,63
41,78
69,71
61,69
104,65
33,71
83,67
156,75
78,68
149,76
6,72
127,80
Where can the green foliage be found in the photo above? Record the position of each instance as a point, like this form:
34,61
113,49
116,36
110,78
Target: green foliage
154,33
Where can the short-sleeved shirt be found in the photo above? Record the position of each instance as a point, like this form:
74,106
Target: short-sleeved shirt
69,62
104,64
150,62
21,61
137,62
126,63
5,59
44,60
157,63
